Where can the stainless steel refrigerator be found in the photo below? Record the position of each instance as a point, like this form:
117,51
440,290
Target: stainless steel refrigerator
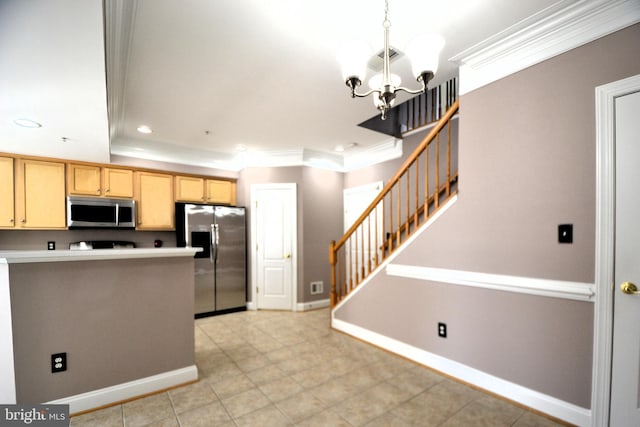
220,269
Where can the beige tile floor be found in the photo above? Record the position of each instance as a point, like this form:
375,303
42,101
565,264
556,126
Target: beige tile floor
284,369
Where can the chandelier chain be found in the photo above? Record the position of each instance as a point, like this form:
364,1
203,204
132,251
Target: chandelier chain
386,23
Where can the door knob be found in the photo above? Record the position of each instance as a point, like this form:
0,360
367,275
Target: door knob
287,256
629,288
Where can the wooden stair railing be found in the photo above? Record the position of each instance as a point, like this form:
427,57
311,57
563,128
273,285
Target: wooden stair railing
423,183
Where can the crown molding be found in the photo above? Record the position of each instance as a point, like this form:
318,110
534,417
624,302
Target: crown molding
119,16
173,153
559,28
390,150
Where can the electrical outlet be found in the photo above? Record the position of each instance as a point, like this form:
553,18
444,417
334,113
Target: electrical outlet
51,246
58,362
442,330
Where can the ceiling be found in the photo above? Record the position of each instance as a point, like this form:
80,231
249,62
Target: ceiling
210,77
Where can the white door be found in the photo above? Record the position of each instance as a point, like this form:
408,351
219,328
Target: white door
362,248
625,376
274,236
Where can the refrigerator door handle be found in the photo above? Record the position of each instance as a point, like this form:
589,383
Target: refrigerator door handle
213,254
215,237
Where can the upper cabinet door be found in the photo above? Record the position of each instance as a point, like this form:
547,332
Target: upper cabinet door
40,194
117,182
222,192
154,195
84,180
6,192
189,189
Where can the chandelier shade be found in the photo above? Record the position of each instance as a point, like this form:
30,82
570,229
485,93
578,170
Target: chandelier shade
353,57
424,53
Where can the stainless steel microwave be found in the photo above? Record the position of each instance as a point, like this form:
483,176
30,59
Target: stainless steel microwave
93,212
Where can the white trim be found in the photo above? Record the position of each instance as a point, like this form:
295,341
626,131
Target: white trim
25,257
524,285
547,404
312,305
129,390
557,29
7,367
388,149
119,22
393,256
381,152
251,305
605,227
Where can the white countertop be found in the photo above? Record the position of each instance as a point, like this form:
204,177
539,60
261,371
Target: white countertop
21,257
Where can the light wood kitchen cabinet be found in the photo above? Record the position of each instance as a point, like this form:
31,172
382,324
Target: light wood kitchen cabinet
6,193
117,182
201,190
40,194
189,189
154,195
218,191
90,180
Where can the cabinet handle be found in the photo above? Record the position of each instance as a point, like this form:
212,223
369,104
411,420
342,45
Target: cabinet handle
23,220
107,190
11,220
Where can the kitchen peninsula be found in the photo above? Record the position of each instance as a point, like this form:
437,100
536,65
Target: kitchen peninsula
123,318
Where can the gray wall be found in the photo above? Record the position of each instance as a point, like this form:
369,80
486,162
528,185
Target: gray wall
37,239
319,218
527,164
322,204
118,321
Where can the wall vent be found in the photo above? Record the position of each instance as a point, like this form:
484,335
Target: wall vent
376,63
316,287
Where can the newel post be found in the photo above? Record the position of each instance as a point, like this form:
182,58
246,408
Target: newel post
332,261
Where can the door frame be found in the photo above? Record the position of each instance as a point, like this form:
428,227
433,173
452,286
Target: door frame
255,188
605,227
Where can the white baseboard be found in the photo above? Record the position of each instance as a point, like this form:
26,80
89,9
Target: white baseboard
312,305
118,393
530,398
301,306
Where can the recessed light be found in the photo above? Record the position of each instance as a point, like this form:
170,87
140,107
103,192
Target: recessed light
144,129
27,123
339,148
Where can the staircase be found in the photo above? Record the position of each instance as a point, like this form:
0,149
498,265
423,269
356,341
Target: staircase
423,183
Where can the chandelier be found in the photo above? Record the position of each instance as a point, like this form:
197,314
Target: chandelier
423,52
